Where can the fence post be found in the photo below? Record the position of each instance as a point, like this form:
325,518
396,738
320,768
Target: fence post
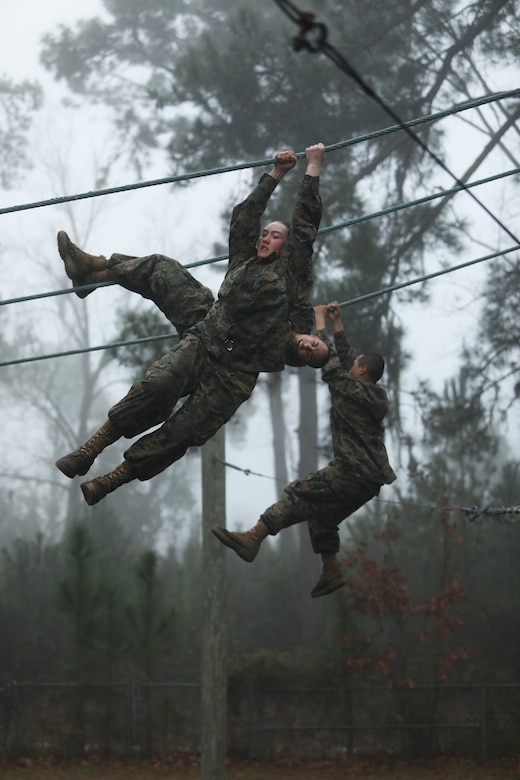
252,724
132,718
483,735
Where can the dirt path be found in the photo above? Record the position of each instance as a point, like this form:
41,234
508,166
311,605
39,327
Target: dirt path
187,768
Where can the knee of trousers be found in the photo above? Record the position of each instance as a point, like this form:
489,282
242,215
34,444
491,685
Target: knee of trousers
141,410
149,459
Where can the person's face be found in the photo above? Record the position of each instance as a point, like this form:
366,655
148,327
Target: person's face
357,371
311,349
272,239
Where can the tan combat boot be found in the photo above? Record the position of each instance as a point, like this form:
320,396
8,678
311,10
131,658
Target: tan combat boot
78,462
245,544
331,577
80,267
97,489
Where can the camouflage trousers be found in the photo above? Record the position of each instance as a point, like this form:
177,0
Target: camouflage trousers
323,500
163,280
213,391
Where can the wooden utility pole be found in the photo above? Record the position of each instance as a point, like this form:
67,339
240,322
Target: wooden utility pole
214,617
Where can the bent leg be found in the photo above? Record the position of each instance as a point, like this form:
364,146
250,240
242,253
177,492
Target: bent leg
151,400
323,500
211,404
163,280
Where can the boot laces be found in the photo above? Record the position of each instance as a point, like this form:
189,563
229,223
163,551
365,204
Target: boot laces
115,478
111,481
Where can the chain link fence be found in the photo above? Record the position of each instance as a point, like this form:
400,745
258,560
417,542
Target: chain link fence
142,720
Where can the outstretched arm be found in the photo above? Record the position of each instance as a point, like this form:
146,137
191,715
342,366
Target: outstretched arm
315,155
334,315
345,350
246,218
283,163
299,248
320,317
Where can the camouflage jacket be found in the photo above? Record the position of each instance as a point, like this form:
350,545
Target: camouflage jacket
261,302
356,416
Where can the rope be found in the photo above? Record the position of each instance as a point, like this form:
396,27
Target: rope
269,161
320,44
350,302
418,201
509,515
114,345
425,277
322,231
354,221
68,290
247,472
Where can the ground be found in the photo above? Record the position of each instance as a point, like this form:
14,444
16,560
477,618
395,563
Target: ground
188,768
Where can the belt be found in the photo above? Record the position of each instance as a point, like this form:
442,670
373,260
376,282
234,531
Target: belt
229,345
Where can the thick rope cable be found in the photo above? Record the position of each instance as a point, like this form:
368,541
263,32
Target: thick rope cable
322,231
505,515
354,221
418,201
319,44
350,302
84,350
258,163
90,287
426,277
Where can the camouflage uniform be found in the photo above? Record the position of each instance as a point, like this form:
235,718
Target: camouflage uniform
163,280
360,464
261,302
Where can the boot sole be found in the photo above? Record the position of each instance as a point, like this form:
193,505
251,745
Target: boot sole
328,586
91,493
68,469
229,540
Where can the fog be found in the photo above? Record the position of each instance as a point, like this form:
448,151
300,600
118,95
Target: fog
67,146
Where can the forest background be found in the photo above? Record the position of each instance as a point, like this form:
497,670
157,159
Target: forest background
133,93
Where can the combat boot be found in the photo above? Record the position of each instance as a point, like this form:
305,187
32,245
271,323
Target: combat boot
246,544
98,488
331,577
78,462
80,267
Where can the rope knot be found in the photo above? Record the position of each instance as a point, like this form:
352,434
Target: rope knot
306,25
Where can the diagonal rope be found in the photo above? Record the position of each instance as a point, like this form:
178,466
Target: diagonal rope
417,201
90,287
426,277
322,231
82,351
351,302
320,44
257,163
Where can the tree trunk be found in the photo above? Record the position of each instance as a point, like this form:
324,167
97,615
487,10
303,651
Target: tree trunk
308,436
288,539
214,624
